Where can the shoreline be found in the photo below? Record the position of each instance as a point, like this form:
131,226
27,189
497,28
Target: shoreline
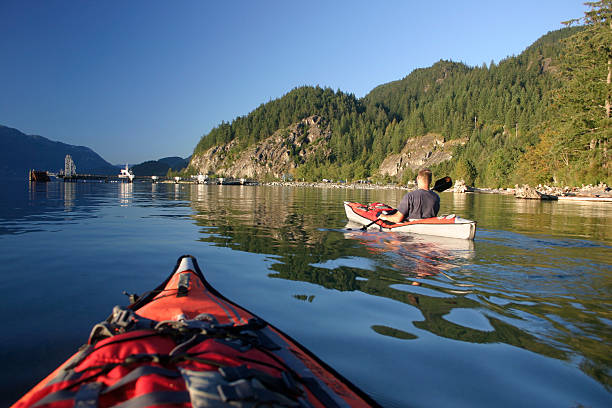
581,194
586,194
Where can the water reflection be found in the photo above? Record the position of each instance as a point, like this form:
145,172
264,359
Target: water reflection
461,202
69,195
177,191
27,206
437,284
415,256
126,194
592,220
200,192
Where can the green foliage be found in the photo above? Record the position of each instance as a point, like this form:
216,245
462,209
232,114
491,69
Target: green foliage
173,173
410,175
572,148
465,170
298,104
188,172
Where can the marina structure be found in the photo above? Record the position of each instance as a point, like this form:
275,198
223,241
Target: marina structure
69,167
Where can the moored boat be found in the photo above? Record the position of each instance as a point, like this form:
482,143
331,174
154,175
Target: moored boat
449,226
126,174
184,344
36,175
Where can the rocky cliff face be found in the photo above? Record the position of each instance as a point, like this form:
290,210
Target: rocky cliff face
277,155
419,152
287,148
212,159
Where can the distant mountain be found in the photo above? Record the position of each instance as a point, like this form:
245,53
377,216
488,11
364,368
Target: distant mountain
175,163
160,167
20,152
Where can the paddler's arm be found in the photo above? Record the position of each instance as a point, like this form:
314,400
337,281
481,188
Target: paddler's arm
394,218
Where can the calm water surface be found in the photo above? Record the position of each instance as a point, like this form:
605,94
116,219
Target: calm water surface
520,317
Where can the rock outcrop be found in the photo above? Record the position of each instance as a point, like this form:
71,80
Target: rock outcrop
600,190
212,159
531,193
275,156
288,148
419,152
461,187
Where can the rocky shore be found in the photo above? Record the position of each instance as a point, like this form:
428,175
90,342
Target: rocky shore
368,186
539,192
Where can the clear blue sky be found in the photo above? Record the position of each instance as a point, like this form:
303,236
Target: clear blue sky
141,80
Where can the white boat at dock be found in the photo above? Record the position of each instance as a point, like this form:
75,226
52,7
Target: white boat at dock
126,174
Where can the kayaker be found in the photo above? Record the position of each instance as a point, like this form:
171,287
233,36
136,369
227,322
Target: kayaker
417,204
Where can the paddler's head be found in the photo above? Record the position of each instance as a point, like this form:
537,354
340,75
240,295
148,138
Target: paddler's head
424,179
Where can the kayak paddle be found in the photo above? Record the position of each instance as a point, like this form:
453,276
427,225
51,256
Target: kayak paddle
443,184
365,227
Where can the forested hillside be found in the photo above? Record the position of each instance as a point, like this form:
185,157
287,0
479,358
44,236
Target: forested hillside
525,119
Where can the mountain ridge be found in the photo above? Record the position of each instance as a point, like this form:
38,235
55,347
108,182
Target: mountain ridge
20,152
160,167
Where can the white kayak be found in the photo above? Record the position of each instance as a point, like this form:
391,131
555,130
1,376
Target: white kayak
449,226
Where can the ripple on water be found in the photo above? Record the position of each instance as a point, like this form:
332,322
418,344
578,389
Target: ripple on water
471,318
418,289
351,262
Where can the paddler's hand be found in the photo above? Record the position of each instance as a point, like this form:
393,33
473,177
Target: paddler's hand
394,218
384,217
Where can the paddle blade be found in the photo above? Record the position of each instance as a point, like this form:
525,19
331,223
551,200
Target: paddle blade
443,184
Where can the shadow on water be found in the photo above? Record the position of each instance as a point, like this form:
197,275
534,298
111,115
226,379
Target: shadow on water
531,280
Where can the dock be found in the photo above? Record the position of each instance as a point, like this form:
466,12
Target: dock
86,177
69,174
100,177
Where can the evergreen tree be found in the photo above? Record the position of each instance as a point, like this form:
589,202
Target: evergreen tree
574,147
586,96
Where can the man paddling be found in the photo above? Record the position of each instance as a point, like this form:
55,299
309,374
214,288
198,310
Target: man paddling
420,203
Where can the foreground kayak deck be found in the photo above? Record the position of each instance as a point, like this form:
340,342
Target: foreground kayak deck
184,344
449,226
